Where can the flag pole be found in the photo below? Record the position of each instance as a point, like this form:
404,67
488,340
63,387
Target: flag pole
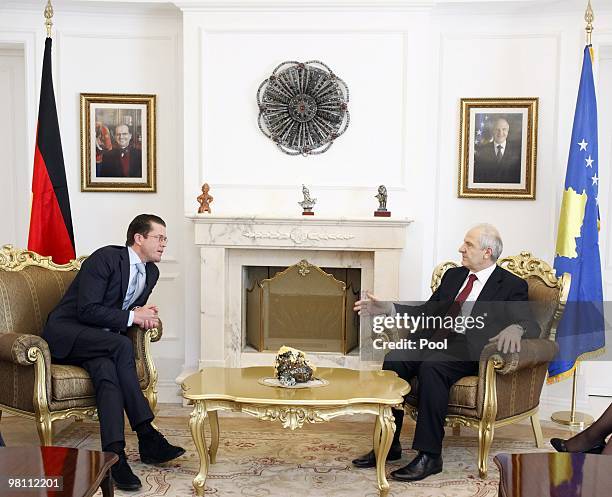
48,17
572,418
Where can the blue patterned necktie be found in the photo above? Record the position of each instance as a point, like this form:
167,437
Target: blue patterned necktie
136,286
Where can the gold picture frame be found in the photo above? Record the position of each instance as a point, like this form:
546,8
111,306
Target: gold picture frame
118,143
498,148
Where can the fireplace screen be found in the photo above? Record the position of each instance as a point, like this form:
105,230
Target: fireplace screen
302,306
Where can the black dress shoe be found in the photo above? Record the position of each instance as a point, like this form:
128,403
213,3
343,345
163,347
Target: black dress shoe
422,466
369,460
123,476
559,445
155,449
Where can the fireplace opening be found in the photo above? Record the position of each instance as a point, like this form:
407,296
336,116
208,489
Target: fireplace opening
302,306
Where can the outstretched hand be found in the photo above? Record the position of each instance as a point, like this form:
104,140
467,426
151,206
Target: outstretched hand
372,305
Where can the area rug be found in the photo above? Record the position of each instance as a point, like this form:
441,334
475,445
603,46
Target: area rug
261,459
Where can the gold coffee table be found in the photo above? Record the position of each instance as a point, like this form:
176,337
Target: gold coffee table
348,392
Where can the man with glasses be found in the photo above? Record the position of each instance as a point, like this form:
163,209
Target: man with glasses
124,160
88,329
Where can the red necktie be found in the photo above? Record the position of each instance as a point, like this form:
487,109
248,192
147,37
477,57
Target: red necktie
455,307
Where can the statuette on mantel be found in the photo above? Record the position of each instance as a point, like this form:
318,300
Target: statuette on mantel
205,199
308,203
382,202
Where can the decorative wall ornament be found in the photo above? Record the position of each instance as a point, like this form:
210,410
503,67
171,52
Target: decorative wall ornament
303,107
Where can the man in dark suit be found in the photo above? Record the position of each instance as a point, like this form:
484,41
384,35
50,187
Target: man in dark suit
498,161
478,288
123,160
88,329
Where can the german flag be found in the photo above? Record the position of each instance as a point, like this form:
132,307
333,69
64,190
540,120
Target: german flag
50,220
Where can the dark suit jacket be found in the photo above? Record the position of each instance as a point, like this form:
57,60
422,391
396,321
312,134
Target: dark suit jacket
94,299
499,300
488,170
110,166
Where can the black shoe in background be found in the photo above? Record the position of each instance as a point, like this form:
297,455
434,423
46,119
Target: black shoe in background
422,466
559,445
123,476
155,449
369,460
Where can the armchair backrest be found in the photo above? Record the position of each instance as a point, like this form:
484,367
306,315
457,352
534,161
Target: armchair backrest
30,287
545,288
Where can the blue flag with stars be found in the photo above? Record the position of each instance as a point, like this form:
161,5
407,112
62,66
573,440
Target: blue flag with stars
581,330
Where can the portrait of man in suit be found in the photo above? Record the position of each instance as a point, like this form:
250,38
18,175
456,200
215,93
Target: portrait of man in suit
124,159
499,159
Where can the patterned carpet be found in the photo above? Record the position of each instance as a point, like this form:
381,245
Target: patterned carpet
261,459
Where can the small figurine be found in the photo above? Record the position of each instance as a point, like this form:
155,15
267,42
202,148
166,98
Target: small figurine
382,203
205,199
308,203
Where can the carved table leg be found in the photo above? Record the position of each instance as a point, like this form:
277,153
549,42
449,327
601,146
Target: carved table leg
214,436
387,428
107,486
376,437
196,423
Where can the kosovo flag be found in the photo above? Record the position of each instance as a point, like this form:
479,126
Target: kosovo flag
581,330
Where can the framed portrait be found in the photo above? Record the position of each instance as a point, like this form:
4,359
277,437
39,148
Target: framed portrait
117,143
498,148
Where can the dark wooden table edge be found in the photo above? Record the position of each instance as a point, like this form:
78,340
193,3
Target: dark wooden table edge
103,474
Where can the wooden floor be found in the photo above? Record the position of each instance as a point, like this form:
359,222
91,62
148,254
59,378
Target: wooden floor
21,431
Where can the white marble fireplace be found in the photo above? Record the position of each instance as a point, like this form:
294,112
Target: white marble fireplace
228,244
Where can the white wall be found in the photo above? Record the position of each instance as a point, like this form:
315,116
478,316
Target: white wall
407,64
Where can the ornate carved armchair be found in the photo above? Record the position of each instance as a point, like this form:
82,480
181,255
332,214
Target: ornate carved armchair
30,384
508,386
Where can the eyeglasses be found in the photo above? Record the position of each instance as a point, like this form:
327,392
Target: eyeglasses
160,238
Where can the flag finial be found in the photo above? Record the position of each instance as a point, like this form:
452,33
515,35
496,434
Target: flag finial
588,17
48,17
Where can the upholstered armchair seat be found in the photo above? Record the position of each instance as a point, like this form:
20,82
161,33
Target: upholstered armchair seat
71,383
30,384
508,386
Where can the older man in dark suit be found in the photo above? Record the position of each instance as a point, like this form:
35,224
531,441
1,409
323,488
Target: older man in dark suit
498,161
475,288
88,329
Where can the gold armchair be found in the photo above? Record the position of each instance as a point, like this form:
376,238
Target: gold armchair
30,384
508,386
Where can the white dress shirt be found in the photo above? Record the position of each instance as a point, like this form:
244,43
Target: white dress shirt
481,279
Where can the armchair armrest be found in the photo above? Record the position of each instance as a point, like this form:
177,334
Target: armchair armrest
534,351
14,348
138,334
141,340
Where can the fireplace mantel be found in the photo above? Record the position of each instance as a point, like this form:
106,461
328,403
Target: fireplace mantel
228,243
303,231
